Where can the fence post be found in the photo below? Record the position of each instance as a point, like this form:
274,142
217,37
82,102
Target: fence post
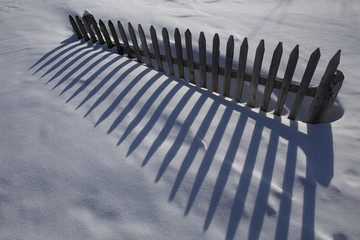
125,40
241,70
144,46
76,29
106,34
306,79
274,66
179,55
189,55
289,73
215,63
116,39
256,74
228,66
326,93
156,48
134,42
166,40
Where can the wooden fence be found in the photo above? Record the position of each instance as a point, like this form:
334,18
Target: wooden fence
324,95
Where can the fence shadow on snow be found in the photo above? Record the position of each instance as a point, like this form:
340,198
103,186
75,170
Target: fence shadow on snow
78,85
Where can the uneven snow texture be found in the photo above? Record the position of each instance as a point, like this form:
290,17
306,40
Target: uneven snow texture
96,146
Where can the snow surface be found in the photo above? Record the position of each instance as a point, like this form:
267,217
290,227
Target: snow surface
96,146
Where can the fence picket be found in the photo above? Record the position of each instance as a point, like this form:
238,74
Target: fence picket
106,34
241,70
256,74
82,28
144,46
328,88
166,40
202,59
90,31
179,55
74,26
305,82
115,37
215,63
228,66
92,22
275,62
125,40
134,42
289,73
189,55
156,48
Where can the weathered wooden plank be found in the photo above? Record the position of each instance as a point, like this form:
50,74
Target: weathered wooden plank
289,73
305,82
179,55
274,66
202,59
82,28
189,55
169,62
228,66
134,42
259,55
119,48
155,43
75,27
144,46
90,31
328,88
215,63
125,40
106,34
241,70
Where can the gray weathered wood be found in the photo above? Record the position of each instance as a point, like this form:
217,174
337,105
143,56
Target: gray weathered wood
228,66
305,82
115,37
155,43
75,27
90,31
259,55
134,42
125,40
202,59
274,66
166,40
189,55
82,28
144,46
241,70
328,88
106,34
215,63
289,73
179,55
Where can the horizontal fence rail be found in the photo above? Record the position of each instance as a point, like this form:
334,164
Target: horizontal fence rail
324,95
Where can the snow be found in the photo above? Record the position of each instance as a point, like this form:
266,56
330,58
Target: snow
96,146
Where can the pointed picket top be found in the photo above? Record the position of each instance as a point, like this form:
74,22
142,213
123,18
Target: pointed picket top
155,44
241,69
74,26
275,62
332,66
215,63
259,55
106,34
305,82
144,46
228,66
289,73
